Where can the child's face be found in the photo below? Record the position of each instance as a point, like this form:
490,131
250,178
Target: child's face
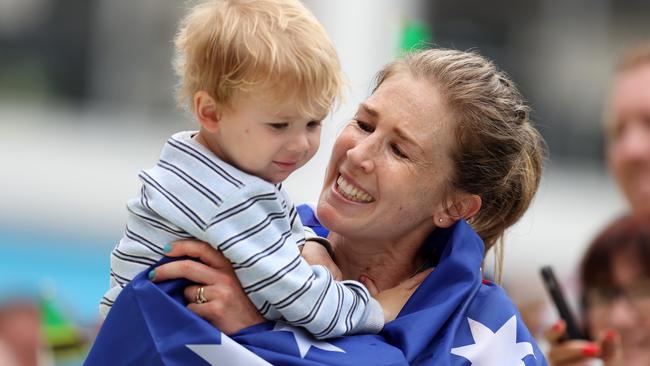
263,139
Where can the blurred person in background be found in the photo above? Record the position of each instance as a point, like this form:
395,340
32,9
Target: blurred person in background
615,279
21,341
627,128
620,335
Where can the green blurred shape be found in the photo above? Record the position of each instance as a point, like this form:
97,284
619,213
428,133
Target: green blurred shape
415,35
60,334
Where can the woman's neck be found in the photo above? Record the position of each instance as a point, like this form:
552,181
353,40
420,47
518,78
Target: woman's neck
386,264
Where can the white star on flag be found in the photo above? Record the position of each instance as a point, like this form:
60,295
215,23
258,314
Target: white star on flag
305,340
495,349
227,353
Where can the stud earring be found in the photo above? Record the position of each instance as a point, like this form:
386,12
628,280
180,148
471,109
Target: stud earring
440,221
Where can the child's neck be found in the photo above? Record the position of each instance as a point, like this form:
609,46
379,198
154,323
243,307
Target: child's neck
213,146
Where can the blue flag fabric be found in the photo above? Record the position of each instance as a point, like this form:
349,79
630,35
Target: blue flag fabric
454,318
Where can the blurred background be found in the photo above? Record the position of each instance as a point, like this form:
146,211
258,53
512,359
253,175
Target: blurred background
86,101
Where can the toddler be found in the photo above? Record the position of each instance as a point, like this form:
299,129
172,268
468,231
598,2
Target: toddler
258,76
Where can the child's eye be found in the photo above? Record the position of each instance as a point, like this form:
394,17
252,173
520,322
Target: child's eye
398,152
279,125
312,125
365,126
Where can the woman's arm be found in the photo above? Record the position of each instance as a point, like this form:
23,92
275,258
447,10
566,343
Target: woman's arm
226,306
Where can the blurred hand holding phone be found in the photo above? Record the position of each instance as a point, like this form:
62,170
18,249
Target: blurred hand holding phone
553,287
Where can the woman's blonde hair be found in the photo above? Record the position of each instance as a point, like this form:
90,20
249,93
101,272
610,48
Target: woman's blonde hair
274,47
498,153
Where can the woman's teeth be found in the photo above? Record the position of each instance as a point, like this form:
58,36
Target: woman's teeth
352,192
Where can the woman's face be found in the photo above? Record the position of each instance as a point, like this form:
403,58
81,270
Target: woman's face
390,164
628,135
625,308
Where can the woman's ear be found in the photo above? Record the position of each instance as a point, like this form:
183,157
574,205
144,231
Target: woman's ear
207,111
463,206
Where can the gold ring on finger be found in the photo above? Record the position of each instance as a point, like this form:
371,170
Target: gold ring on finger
200,295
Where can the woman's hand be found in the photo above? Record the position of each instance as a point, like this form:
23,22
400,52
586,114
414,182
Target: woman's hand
226,305
392,300
580,352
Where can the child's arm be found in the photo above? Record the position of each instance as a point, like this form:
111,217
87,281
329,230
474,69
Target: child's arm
259,232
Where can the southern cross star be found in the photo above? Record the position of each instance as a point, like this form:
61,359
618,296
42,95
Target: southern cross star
227,353
495,349
305,340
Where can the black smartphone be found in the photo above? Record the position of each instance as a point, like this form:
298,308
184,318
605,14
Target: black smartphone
554,289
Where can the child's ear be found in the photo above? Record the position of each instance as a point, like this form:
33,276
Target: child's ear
207,111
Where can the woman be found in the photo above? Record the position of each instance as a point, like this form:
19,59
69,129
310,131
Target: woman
615,277
444,137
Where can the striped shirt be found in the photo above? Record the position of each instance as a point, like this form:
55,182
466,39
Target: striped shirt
191,193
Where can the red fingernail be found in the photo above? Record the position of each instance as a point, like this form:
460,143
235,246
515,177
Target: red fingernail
557,326
610,334
590,350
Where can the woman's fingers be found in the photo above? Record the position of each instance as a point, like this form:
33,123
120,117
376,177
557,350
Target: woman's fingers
226,306
556,332
572,352
189,269
222,301
370,285
569,352
222,290
409,285
612,350
415,281
200,250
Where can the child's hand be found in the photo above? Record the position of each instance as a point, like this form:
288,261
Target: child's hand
392,300
315,253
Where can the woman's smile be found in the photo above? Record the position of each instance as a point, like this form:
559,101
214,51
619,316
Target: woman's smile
351,191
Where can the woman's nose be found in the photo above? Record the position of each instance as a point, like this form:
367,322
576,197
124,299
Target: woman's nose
622,313
635,143
363,154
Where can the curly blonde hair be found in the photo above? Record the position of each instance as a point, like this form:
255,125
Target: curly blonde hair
274,47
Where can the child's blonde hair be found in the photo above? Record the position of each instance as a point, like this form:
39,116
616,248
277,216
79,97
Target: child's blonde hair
275,47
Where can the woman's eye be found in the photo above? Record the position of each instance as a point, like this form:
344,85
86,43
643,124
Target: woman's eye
278,126
365,126
399,153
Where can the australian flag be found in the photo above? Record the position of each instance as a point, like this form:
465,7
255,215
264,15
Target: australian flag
454,318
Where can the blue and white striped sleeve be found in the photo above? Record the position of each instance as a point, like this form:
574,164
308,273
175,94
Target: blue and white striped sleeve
256,230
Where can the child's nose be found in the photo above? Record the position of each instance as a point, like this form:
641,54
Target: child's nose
298,143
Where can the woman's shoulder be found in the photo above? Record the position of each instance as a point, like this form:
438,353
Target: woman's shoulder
492,298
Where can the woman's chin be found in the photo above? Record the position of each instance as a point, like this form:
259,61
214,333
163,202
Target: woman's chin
333,208
326,214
